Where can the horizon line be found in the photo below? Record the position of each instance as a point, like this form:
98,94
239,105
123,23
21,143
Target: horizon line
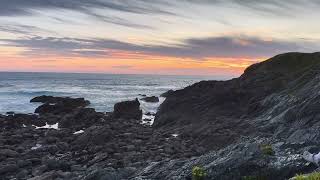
110,73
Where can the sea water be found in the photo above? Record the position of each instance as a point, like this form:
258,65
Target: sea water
102,90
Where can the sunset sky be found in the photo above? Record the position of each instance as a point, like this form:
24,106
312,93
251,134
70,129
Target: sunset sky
184,37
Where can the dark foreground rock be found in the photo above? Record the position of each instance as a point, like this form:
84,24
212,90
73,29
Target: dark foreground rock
87,145
127,110
244,160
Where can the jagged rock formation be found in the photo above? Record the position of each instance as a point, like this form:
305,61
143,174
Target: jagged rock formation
277,99
268,97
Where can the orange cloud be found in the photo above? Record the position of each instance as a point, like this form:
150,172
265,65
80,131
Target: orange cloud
124,62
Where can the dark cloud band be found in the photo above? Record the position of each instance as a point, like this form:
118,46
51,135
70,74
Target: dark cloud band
233,47
24,7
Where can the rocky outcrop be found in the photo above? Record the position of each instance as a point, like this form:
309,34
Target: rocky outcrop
151,99
56,105
244,160
128,110
166,94
74,102
277,97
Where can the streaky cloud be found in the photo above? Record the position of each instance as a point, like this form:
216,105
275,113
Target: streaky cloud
196,48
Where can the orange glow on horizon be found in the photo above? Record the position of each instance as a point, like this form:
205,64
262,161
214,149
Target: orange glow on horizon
122,62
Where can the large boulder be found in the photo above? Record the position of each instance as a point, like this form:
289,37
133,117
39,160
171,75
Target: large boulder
57,105
128,110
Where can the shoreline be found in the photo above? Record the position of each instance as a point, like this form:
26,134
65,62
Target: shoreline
256,126
82,140
149,109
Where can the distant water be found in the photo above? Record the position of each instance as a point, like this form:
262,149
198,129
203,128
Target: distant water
103,90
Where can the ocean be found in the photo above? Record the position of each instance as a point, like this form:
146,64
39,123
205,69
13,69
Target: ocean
102,90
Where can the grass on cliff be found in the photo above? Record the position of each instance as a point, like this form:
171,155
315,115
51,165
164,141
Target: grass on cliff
267,149
312,176
198,173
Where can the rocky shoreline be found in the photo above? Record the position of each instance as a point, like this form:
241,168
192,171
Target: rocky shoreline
86,144
254,127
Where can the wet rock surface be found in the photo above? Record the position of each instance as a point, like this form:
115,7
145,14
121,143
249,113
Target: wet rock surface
252,127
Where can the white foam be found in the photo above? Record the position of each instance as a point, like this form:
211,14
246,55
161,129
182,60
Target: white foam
175,135
37,146
47,126
150,117
23,125
152,108
79,132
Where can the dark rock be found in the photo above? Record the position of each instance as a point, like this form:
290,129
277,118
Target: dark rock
22,174
39,170
94,135
8,153
80,118
168,93
218,113
47,176
56,105
151,99
77,102
55,164
77,168
8,168
24,163
234,162
10,113
108,174
127,110
27,119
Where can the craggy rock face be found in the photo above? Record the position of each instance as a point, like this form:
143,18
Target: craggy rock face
244,160
127,110
278,97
